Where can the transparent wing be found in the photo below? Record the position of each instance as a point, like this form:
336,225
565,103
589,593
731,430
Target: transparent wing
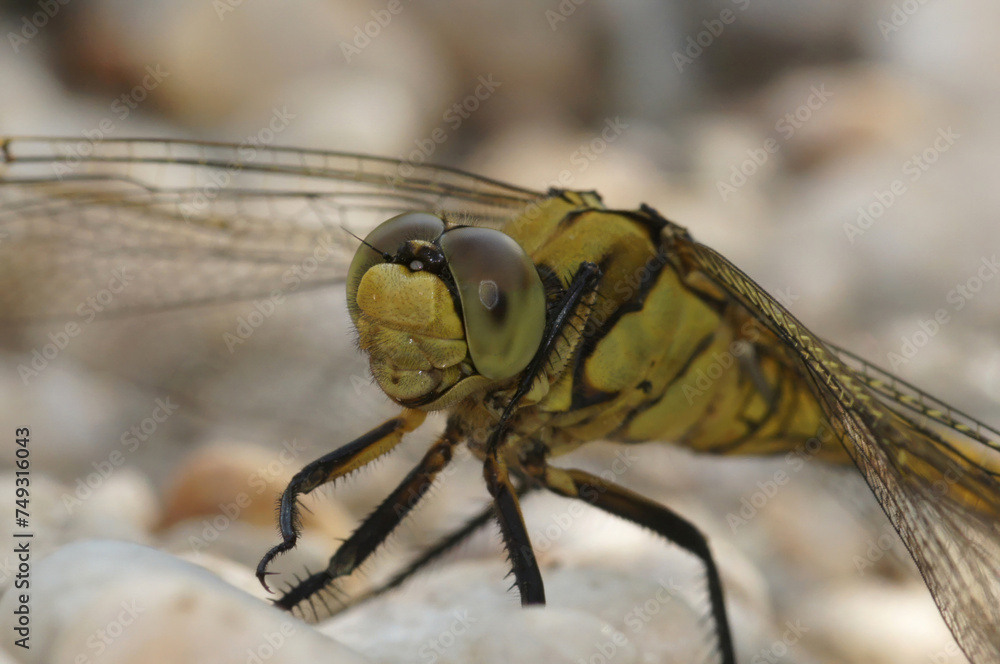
188,223
934,470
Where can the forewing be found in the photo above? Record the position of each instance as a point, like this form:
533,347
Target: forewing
186,223
933,472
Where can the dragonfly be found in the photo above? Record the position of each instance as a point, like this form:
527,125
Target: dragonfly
537,321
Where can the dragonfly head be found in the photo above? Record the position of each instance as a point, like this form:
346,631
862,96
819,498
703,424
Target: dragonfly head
442,311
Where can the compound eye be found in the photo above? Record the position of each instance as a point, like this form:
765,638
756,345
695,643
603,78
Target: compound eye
503,300
386,238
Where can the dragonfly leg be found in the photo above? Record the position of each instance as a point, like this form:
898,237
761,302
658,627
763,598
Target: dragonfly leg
640,510
374,530
434,552
527,576
359,452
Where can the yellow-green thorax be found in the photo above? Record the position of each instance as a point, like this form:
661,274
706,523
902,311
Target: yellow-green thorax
661,352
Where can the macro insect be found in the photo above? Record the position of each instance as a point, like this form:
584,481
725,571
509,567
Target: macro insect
538,321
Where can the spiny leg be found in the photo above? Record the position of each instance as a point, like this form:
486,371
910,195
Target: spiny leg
443,546
359,452
527,577
507,509
375,529
640,510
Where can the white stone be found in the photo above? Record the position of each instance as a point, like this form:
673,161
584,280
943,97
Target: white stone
118,602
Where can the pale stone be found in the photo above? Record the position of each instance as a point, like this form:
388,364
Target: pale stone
118,602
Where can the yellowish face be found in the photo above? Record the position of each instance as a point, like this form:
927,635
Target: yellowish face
443,312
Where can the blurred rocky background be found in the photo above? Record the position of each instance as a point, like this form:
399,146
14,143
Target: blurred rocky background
842,153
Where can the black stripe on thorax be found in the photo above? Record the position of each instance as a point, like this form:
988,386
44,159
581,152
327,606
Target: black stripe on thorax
583,394
700,348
